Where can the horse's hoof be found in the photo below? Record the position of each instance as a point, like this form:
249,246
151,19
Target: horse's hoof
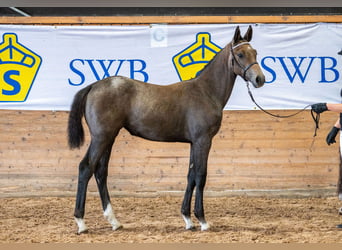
82,232
117,227
340,211
204,226
189,225
191,228
82,228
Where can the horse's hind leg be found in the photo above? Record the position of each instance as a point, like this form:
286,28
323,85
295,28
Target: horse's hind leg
101,174
84,176
86,170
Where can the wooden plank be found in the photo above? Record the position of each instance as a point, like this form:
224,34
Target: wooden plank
119,20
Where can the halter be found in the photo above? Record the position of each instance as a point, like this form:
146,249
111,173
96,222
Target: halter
245,69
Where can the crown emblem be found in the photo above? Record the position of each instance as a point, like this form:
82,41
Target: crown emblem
190,61
18,69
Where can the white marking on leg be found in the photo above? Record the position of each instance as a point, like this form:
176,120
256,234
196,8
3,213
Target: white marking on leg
81,225
188,222
109,215
340,211
340,196
204,226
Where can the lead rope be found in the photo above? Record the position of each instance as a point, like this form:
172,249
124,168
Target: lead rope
315,118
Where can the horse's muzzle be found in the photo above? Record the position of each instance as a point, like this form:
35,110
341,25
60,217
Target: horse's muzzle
258,81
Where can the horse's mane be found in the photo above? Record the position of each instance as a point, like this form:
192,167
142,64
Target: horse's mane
209,63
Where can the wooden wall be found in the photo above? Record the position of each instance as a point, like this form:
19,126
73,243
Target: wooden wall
252,151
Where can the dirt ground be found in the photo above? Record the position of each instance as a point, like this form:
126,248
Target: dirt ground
232,219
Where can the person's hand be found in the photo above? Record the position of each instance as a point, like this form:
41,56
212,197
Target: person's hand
332,135
319,107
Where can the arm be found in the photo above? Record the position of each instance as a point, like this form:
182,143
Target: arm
321,107
334,107
338,124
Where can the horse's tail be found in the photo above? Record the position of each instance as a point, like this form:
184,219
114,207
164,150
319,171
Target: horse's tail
75,128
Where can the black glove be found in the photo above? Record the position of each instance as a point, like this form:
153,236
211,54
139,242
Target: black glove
331,136
319,107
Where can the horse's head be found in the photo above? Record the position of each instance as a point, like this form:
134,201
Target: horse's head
244,58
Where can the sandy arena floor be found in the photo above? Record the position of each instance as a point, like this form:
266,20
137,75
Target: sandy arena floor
233,219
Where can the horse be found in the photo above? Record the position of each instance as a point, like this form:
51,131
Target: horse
188,111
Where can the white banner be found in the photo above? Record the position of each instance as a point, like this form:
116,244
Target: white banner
42,67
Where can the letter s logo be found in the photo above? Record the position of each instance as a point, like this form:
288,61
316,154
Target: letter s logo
15,85
19,66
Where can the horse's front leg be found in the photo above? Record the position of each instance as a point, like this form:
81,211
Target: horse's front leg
201,153
186,206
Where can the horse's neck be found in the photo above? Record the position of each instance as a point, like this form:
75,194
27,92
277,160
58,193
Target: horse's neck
218,77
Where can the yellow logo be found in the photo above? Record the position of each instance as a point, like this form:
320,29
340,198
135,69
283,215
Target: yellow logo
190,61
18,69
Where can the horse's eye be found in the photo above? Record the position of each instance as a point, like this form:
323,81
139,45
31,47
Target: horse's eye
240,55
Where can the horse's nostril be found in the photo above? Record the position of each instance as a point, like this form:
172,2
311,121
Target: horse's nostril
260,80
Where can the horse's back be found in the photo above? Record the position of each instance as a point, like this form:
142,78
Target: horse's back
118,101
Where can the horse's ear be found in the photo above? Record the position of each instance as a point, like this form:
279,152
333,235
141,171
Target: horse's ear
237,35
249,34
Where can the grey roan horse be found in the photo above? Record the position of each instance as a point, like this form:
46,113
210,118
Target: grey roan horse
188,111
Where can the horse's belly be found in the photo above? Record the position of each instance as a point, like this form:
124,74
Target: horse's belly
157,130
